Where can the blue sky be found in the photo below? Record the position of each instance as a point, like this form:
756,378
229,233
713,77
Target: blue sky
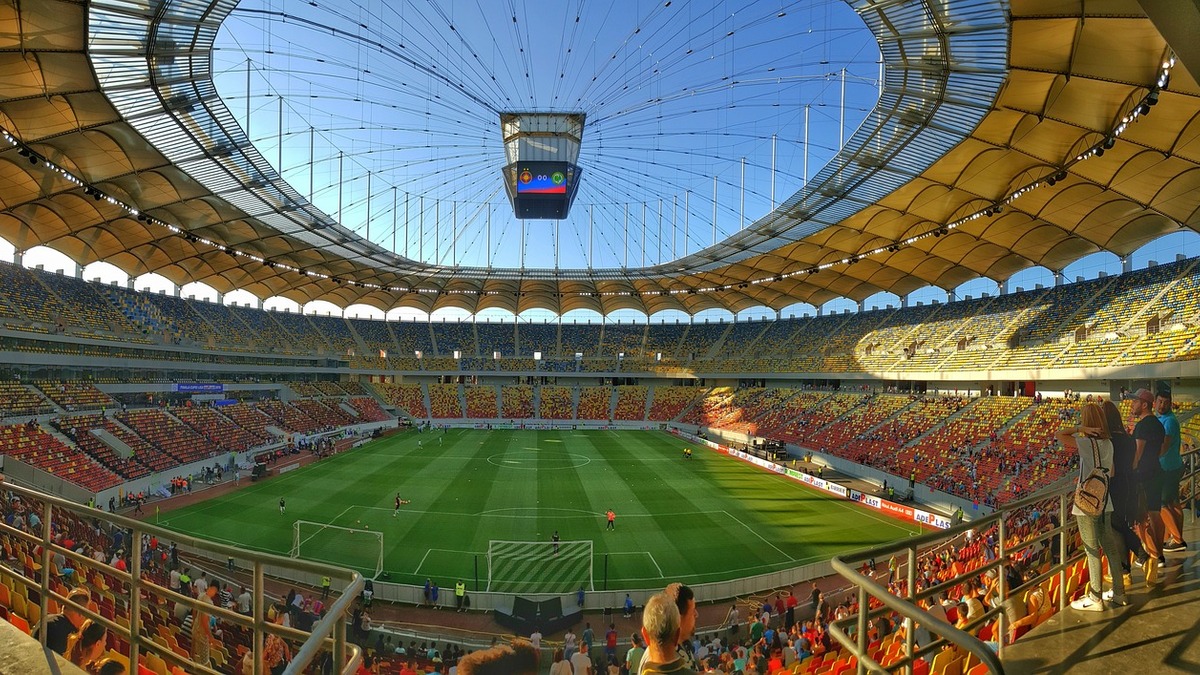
398,104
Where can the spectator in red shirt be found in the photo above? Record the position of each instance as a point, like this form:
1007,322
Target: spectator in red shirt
610,642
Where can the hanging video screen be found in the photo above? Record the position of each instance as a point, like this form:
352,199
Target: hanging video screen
542,178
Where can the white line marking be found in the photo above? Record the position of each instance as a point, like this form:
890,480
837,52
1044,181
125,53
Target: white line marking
651,556
765,540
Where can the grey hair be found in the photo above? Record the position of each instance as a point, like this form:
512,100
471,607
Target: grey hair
660,620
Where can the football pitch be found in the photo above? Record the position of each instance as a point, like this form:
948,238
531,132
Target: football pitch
699,520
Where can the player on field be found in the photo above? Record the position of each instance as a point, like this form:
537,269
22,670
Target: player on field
399,503
554,538
282,506
612,520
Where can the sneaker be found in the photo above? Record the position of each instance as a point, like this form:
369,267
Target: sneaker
1113,600
1088,604
1175,546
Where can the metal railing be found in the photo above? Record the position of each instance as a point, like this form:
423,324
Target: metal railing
141,595
853,634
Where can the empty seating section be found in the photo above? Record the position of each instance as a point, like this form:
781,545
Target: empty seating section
375,335
558,365
85,306
476,363
139,311
669,402
599,365
710,408
512,365
220,430
537,337
32,445
18,400
368,409
231,332
517,402
407,397
288,417
455,336
268,334
248,417
439,363
741,336
329,388
664,338
169,435
594,403
31,299
444,401
336,333
631,403
352,388
481,402
325,416
72,396
412,337
556,403
305,388
496,337
182,321
78,429
143,451
806,423
623,339
740,411
301,332
579,339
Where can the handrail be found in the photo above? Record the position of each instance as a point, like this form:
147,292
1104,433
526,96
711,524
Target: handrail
913,614
328,632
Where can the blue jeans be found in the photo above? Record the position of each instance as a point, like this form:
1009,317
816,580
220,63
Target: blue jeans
1098,536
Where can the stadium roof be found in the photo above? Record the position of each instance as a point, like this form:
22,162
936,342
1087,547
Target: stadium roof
1007,136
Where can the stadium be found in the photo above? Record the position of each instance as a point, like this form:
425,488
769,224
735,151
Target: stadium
367,336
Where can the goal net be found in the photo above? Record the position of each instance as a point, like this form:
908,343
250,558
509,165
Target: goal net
537,567
357,548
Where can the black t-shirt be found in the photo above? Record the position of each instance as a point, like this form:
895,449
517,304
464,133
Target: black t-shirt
58,629
1150,430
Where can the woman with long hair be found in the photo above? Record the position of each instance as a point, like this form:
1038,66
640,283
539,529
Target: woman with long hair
1092,441
89,645
1124,488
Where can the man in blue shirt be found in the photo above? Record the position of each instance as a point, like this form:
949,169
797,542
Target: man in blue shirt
1172,473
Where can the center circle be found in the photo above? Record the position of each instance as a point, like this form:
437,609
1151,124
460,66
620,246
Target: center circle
535,460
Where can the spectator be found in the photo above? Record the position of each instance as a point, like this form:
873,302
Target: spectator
1172,473
519,659
59,627
581,662
1122,488
1091,440
660,629
633,658
560,666
1148,434
89,644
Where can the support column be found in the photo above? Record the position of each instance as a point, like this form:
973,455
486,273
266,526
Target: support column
175,290
1004,287
19,258
1058,278
1126,264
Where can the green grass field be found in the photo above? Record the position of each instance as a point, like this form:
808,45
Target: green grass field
706,519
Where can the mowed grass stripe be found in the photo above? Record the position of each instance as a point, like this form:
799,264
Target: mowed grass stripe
704,519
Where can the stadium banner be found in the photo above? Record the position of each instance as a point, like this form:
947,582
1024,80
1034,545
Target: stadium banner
926,518
889,508
199,388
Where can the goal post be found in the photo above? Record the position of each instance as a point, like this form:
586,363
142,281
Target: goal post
540,566
354,547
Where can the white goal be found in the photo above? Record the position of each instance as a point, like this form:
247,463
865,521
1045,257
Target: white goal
358,548
537,567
